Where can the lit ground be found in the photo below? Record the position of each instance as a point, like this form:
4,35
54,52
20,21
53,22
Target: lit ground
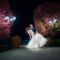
45,53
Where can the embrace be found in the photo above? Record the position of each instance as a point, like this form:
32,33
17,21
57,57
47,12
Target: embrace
36,40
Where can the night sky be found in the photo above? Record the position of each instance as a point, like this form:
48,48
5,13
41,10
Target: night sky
24,12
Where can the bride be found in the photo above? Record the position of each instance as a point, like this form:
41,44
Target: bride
37,39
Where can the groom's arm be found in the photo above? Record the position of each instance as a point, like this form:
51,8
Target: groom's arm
35,29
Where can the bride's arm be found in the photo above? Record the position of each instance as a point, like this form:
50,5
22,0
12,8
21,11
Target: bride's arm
29,34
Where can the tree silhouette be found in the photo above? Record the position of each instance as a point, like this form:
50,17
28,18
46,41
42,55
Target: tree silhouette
42,14
5,25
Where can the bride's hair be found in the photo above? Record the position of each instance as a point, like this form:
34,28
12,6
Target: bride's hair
27,28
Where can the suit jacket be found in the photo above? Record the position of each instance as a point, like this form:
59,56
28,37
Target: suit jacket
33,29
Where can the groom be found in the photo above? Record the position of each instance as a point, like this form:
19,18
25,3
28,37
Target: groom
33,29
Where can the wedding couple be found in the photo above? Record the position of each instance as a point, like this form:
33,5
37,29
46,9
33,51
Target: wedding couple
36,39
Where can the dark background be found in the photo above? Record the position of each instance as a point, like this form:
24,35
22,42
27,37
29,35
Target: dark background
24,13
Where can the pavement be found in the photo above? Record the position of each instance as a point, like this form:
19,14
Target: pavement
22,53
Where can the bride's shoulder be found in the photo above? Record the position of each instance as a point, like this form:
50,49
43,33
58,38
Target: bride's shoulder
29,30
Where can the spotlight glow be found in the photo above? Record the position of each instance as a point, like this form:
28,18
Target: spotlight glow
14,18
50,21
11,19
55,21
7,17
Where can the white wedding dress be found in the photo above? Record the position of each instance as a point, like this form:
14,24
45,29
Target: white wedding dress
36,41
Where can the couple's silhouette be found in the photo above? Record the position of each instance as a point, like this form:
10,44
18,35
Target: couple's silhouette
36,39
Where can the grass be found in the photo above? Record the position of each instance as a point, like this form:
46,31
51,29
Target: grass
58,40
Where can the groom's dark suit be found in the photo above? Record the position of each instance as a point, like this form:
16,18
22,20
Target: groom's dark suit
34,30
